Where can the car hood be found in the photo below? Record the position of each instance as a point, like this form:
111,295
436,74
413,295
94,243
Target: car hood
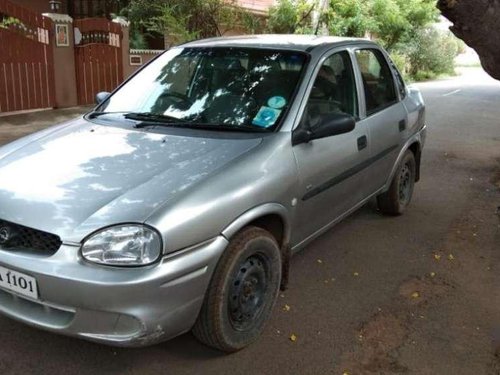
82,177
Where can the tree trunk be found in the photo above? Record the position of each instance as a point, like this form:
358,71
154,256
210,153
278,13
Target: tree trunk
477,23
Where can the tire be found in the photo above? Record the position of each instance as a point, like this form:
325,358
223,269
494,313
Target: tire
398,197
242,292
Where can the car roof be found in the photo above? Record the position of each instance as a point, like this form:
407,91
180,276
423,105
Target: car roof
279,41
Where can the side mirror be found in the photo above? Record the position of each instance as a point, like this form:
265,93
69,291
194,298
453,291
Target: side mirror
328,125
102,96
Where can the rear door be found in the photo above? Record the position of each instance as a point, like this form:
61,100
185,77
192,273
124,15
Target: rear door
385,115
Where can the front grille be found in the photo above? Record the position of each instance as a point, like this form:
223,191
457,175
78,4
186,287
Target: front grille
19,237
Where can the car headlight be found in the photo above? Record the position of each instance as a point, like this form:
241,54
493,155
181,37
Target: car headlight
123,245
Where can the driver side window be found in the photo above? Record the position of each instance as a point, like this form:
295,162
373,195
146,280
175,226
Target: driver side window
334,89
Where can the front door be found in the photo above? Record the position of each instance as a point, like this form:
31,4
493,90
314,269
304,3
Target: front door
330,169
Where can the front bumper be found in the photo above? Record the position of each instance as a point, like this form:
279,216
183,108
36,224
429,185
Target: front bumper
117,306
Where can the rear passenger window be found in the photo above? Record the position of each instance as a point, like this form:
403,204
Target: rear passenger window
377,80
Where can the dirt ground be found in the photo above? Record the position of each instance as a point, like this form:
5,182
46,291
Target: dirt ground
417,294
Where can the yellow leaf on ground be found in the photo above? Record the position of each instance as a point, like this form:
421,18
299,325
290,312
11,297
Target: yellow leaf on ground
356,274
433,274
293,338
437,257
451,257
286,308
320,261
415,295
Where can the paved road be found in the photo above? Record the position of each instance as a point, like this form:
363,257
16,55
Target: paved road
375,295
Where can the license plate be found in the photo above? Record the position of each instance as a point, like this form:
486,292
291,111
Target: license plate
18,283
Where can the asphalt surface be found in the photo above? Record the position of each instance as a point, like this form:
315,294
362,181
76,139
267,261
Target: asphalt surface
416,294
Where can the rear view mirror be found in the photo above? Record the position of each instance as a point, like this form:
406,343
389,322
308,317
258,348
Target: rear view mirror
328,125
102,96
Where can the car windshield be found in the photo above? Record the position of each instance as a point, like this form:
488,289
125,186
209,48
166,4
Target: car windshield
243,88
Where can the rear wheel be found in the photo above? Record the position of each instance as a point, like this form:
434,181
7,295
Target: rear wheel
398,197
242,292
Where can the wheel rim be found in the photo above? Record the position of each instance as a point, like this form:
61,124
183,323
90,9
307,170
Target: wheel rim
405,184
248,291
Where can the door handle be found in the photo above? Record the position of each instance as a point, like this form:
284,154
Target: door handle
402,125
362,142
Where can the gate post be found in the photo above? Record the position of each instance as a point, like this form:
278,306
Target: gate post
62,42
125,45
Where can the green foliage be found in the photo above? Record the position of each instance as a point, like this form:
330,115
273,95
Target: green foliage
250,23
184,20
401,26
390,23
432,53
173,21
6,22
402,63
289,17
348,18
137,39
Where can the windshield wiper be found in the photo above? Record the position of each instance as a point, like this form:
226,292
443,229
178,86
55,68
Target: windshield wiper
154,117
140,116
157,119
205,126
94,114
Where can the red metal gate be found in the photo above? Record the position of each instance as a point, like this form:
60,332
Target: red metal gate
26,59
98,57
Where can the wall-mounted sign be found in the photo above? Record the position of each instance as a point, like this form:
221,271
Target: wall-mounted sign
62,35
135,60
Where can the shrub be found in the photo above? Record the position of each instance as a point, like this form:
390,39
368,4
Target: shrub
137,39
431,53
402,63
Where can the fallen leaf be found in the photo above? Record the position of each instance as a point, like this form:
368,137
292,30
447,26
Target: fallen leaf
320,261
415,295
356,274
346,373
433,274
451,257
293,338
326,281
437,257
286,308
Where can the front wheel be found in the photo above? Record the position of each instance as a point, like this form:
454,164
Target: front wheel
242,292
398,197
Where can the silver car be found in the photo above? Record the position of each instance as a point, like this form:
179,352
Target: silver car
176,204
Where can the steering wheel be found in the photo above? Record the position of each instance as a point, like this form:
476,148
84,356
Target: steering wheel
181,98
